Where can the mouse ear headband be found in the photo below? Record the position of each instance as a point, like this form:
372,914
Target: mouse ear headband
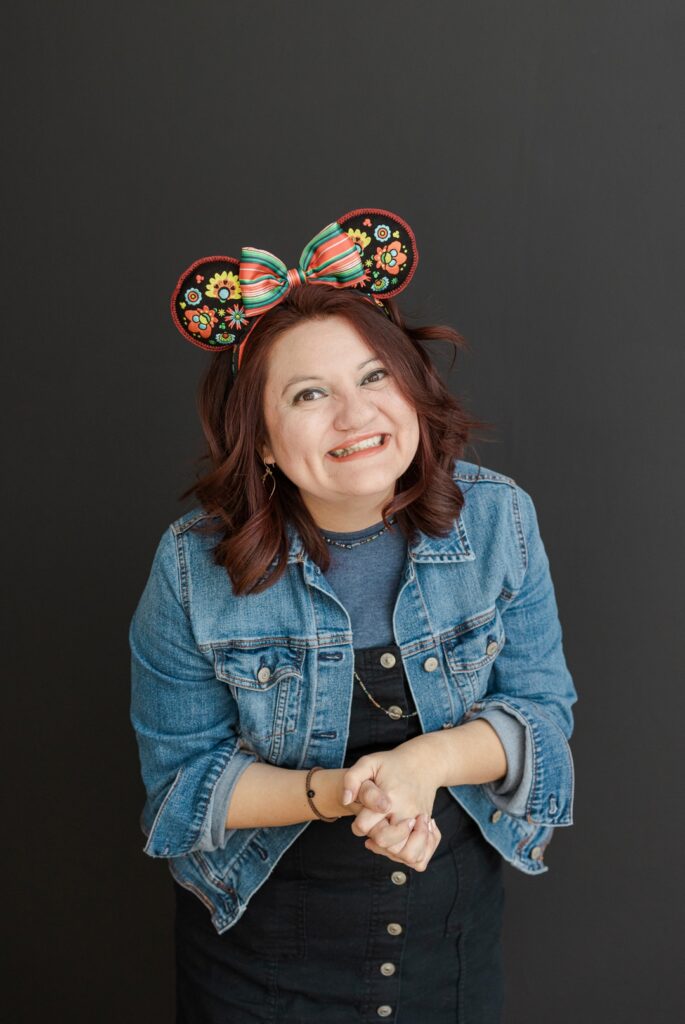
219,299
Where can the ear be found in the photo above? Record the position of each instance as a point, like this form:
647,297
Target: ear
387,247
206,304
267,455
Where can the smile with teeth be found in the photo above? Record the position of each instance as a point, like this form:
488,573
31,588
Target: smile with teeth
370,442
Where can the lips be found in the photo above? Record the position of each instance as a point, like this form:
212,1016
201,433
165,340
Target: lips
358,440
361,452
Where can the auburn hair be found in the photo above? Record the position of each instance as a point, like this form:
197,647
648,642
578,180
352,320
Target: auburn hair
252,540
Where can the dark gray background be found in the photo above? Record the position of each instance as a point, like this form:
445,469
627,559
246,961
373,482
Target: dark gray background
536,149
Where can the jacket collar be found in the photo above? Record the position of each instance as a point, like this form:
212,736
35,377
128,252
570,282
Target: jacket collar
455,547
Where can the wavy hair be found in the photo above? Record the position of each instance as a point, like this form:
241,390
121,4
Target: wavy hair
252,544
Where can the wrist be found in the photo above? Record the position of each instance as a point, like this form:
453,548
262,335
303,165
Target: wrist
328,785
428,754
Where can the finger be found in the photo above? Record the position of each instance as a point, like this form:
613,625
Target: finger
388,835
373,797
374,848
363,769
433,843
365,821
414,850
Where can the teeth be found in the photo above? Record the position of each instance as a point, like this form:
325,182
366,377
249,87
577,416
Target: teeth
370,442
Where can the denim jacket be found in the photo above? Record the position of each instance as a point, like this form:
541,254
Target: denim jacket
220,681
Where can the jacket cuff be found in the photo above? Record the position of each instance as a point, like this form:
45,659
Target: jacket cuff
215,834
171,834
511,794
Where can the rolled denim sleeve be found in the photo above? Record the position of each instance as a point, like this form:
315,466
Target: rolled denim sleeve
530,681
511,793
185,719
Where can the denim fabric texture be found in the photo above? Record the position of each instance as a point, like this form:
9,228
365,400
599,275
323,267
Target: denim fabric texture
220,681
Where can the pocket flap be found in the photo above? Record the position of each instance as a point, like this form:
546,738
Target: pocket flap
258,667
475,642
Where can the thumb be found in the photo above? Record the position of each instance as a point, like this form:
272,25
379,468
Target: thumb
364,770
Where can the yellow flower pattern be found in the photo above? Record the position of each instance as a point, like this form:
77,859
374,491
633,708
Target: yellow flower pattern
223,286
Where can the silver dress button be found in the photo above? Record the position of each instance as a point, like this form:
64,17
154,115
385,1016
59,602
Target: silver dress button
388,660
384,1011
394,928
496,816
387,969
398,877
264,674
536,853
394,711
430,664
491,648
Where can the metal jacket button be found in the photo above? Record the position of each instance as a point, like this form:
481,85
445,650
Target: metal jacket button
496,816
398,877
430,664
264,674
536,853
394,928
491,648
384,1011
388,660
395,712
387,969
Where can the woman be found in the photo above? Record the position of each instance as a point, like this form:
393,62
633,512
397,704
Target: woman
348,683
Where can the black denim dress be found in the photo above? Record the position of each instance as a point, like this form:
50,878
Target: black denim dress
338,934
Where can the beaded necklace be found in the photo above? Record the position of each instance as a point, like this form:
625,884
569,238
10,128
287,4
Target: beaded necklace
364,540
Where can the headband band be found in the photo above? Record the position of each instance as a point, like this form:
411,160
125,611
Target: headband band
219,299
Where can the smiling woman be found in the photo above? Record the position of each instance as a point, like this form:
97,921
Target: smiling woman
322,370
348,685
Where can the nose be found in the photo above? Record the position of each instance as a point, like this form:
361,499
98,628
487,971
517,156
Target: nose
356,410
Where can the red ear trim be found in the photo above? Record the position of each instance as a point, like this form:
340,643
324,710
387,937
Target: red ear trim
210,286
378,218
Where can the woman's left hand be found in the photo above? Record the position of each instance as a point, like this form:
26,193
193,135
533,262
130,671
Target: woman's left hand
408,779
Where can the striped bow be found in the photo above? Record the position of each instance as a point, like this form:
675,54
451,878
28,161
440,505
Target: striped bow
330,258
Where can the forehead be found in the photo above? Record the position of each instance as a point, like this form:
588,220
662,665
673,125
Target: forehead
317,346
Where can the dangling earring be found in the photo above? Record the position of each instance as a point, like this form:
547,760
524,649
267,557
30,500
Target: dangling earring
273,478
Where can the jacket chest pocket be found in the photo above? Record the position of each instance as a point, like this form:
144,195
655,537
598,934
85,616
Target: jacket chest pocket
266,683
470,650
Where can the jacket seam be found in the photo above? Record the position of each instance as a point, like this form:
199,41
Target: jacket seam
520,533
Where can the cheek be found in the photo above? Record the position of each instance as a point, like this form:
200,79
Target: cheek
296,439
405,416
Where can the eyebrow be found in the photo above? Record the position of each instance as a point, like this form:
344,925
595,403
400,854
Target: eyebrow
300,380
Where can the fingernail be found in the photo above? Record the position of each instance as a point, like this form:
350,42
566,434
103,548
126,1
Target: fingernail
431,824
347,796
411,823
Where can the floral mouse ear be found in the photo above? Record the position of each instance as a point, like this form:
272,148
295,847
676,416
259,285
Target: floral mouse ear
206,304
387,248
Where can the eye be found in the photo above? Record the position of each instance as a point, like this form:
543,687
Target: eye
312,391
309,391
374,372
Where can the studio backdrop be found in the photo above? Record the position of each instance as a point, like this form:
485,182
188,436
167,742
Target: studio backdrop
536,150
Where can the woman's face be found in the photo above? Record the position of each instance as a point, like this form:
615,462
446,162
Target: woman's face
325,389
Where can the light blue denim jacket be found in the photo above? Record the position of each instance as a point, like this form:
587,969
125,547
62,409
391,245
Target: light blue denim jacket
220,681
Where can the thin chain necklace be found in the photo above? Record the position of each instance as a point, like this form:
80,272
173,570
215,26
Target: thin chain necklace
391,712
364,540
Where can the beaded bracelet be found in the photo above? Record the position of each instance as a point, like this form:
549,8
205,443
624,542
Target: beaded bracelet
310,793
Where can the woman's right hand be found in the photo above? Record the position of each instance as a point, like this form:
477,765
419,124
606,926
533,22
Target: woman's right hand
419,839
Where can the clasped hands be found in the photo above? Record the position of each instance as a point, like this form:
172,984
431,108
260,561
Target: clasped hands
392,793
